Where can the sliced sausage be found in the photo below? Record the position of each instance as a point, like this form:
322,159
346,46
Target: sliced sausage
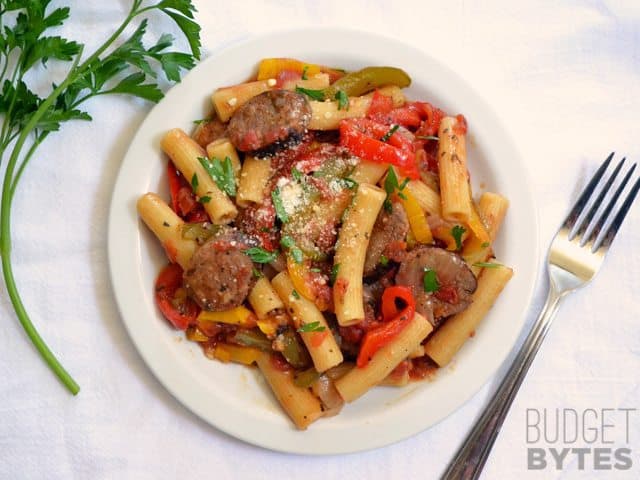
220,275
271,118
209,131
456,281
389,227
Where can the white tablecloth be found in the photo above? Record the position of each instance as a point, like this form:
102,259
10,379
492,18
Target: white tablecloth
566,78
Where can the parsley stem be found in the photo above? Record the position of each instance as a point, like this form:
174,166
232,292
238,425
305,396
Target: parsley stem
5,237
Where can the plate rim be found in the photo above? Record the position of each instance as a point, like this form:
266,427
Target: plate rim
372,443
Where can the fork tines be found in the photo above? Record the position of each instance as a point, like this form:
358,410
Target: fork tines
588,225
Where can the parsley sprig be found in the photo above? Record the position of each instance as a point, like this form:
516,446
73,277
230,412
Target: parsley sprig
391,185
28,118
222,173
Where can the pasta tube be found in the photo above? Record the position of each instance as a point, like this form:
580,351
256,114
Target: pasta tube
327,115
253,180
300,404
185,152
359,380
450,337
228,99
321,343
167,227
351,250
454,183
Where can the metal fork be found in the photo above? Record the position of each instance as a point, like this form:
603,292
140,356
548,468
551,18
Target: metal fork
575,256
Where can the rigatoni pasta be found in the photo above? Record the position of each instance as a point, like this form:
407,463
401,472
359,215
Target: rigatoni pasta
317,227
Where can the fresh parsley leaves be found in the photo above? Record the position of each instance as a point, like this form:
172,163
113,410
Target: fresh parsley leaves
121,65
222,173
384,261
281,213
295,294
260,255
343,100
194,182
456,232
391,185
304,72
311,327
296,174
334,273
317,95
289,243
430,281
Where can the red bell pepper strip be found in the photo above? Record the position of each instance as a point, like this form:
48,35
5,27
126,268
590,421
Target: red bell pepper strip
378,337
367,147
380,105
183,200
389,296
179,309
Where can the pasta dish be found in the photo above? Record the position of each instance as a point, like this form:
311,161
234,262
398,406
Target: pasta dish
321,226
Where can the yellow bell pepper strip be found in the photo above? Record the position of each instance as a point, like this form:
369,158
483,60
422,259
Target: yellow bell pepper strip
416,216
194,334
366,80
268,326
300,277
271,67
240,316
235,353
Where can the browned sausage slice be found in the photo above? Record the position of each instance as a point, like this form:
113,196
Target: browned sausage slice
456,280
220,275
389,227
273,117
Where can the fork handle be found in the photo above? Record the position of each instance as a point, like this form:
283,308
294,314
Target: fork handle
472,455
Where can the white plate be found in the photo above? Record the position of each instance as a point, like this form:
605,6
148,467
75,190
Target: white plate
233,398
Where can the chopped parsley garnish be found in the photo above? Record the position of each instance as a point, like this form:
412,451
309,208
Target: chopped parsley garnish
205,199
260,255
485,244
430,281
313,94
391,131
296,174
281,213
315,270
295,294
304,72
222,173
287,242
456,233
194,181
297,254
487,265
256,273
350,183
384,261
201,121
391,185
334,273
427,137
290,244
311,327
343,100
